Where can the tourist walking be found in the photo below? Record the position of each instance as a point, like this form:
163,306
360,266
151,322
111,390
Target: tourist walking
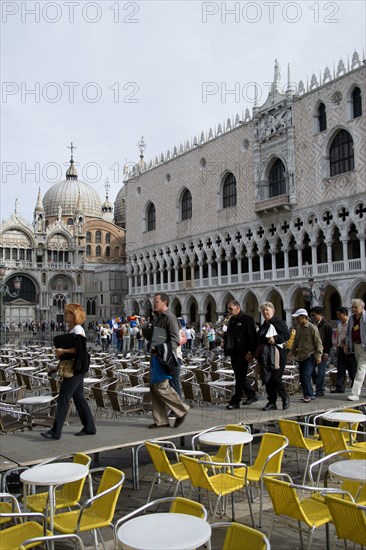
272,354
308,348
240,343
356,342
346,362
72,387
163,362
326,335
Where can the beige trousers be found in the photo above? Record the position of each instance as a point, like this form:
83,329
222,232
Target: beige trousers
163,396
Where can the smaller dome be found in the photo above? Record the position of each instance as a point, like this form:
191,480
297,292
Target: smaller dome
71,172
107,205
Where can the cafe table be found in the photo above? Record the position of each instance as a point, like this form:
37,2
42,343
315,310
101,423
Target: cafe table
34,401
52,475
164,531
229,438
136,389
351,470
343,416
221,383
24,369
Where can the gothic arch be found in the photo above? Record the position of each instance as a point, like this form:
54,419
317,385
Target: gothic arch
356,289
227,297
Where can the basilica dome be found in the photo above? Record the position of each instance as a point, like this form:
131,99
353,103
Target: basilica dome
65,194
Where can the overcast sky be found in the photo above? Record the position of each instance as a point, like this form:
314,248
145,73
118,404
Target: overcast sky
102,74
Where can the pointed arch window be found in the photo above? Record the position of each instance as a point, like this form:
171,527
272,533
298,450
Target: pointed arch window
356,103
151,218
88,237
108,251
229,197
322,117
108,238
341,154
98,237
70,221
186,205
98,251
277,182
88,250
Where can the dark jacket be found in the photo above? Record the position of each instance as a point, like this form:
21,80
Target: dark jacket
326,335
169,322
266,353
241,335
82,357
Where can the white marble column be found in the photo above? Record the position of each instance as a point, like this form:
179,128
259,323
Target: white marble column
345,253
314,258
362,252
285,254
250,265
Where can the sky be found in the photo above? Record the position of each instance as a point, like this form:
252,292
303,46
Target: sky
102,74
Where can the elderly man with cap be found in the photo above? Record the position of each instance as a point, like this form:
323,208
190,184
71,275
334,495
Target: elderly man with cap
356,342
308,348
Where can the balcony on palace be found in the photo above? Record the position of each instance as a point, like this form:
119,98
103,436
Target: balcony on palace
281,202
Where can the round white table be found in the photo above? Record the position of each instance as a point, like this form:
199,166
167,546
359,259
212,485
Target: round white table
36,400
225,437
222,383
163,531
354,470
230,438
53,474
90,380
341,416
128,370
136,389
33,402
351,470
25,369
229,372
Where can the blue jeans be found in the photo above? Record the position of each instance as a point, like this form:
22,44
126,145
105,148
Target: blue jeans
319,373
306,371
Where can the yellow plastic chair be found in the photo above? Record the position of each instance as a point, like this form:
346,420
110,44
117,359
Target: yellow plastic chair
288,506
335,439
53,538
15,535
349,519
178,505
97,511
239,537
8,505
220,484
222,453
293,432
268,460
173,472
66,497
